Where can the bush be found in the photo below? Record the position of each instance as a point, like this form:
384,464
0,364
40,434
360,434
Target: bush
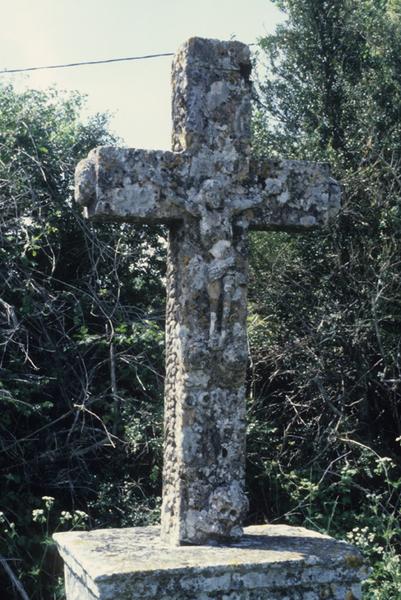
325,401
82,329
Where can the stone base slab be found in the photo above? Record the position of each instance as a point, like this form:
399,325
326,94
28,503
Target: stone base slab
270,562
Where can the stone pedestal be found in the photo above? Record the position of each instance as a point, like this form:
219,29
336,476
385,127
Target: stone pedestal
270,562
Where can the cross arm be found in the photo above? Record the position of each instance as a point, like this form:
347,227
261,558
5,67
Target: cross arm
290,195
141,186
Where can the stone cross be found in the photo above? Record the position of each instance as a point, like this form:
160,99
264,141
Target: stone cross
210,193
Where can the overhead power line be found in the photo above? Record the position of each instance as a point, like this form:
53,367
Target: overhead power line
87,62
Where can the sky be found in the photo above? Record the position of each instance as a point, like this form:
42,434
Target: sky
138,93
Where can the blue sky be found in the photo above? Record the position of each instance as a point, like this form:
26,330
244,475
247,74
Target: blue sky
40,32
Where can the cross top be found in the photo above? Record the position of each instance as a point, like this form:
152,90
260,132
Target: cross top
210,193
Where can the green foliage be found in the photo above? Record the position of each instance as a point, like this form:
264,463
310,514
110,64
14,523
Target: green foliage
41,523
326,367
81,329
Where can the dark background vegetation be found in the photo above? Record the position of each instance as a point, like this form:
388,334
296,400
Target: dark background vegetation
82,315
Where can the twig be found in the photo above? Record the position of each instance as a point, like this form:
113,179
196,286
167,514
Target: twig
15,582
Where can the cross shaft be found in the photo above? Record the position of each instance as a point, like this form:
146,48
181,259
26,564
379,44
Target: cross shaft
210,194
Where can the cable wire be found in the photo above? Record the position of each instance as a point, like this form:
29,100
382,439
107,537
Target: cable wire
88,62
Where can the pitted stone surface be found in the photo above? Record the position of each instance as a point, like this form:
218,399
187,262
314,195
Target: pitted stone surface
210,193
269,562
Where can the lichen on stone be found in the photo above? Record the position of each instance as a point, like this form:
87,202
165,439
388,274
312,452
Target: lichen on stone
210,194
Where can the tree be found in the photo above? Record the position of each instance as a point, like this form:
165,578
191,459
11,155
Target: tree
326,363
81,329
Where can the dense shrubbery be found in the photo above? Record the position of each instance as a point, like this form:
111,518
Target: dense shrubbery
326,340
82,316
81,321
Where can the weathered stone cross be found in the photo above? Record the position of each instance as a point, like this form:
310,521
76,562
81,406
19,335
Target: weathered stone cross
210,194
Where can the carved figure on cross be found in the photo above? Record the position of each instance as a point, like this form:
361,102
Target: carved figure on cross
216,234
210,194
